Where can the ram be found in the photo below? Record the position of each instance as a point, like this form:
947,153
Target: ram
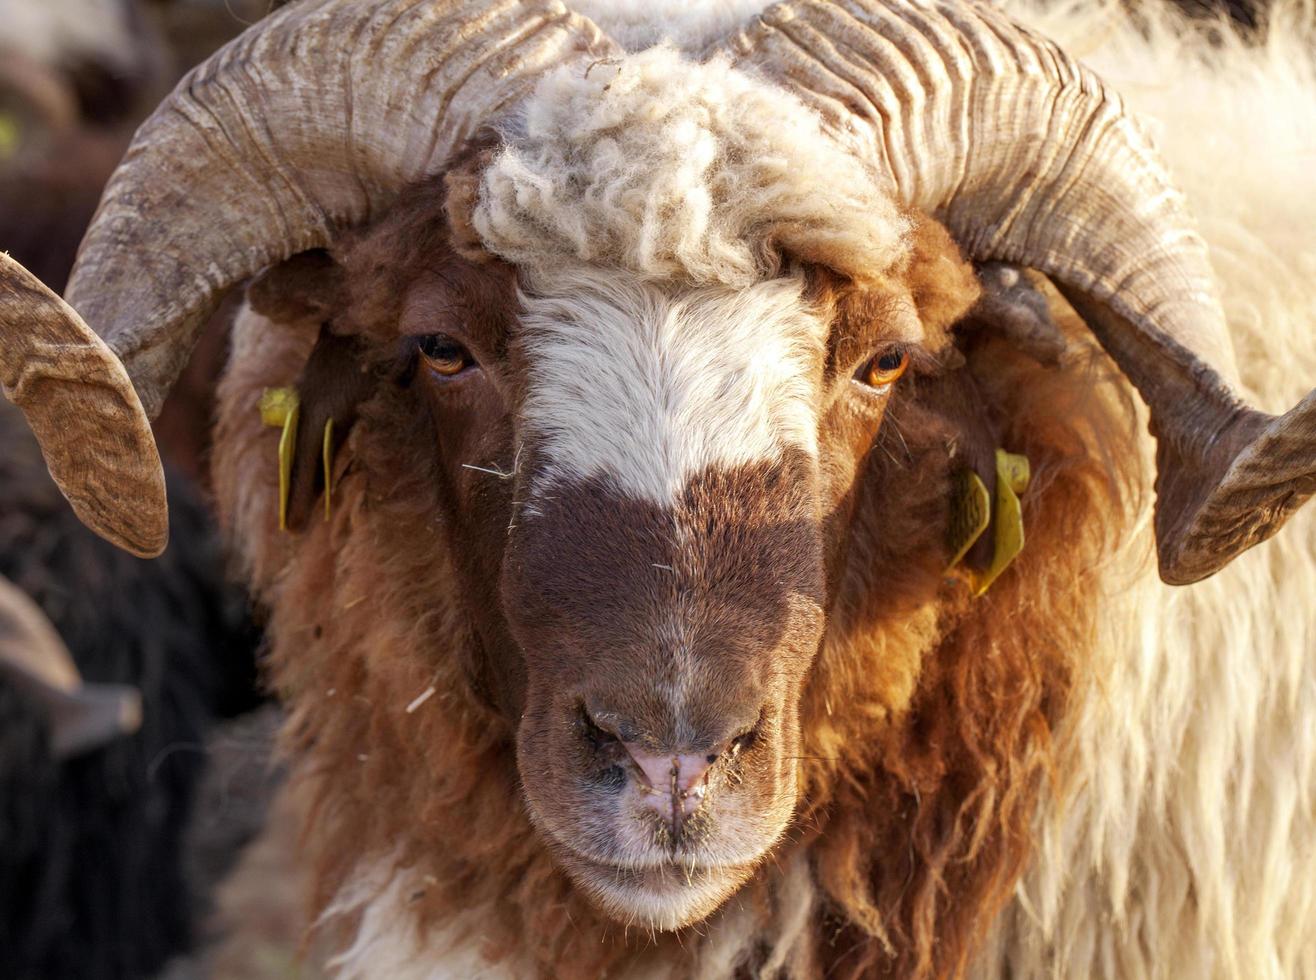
682,560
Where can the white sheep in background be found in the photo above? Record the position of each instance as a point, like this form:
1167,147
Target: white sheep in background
1190,850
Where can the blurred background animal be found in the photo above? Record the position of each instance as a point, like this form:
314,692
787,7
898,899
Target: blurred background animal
93,867
76,79
105,869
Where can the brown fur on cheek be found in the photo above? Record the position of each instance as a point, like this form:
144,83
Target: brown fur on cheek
472,437
859,423
926,786
929,717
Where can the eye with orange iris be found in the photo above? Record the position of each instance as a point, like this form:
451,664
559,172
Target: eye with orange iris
443,355
885,368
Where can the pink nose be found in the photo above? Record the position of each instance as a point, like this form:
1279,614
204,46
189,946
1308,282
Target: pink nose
673,784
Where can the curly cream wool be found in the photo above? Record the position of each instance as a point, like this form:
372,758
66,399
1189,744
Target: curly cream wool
676,170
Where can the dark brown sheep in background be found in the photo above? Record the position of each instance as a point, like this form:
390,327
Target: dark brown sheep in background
104,873
92,842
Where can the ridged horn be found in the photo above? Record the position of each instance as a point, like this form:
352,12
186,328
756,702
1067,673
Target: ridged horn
310,121
1029,158
81,406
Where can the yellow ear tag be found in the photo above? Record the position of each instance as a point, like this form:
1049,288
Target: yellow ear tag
280,407
11,135
970,513
327,452
1012,476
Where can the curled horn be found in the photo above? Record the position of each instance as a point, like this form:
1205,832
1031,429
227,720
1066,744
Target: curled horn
1027,157
79,402
310,121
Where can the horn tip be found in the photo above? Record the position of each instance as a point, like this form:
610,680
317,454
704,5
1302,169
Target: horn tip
135,517
143,544
1268,475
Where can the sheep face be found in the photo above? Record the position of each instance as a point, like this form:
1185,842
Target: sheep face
686,426
636,400
683,459
645,492
664,577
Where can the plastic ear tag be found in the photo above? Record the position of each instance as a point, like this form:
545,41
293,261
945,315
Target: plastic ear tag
11,135
280,407
327,453
970,513
1012,476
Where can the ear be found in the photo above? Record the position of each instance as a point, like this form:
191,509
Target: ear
310,286
335,380
954,397
986,476
1015,309
308,291
945,290
958,307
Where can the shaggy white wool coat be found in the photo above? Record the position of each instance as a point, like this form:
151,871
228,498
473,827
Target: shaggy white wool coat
1190,850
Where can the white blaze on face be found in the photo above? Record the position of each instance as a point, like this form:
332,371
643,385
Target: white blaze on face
649,386
652,169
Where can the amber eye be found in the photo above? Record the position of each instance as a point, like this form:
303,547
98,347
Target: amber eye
443,355
885,368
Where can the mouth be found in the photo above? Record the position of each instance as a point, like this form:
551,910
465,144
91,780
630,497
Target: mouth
655,839
635,876
664,895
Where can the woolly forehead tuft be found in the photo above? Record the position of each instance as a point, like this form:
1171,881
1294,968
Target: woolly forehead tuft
677,170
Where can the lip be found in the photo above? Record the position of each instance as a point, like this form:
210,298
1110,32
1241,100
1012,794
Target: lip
648,873
653,860
667,896
655,869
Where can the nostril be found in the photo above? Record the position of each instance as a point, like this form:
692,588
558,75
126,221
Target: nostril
672,779
746,739
596,730
672,783
742,742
